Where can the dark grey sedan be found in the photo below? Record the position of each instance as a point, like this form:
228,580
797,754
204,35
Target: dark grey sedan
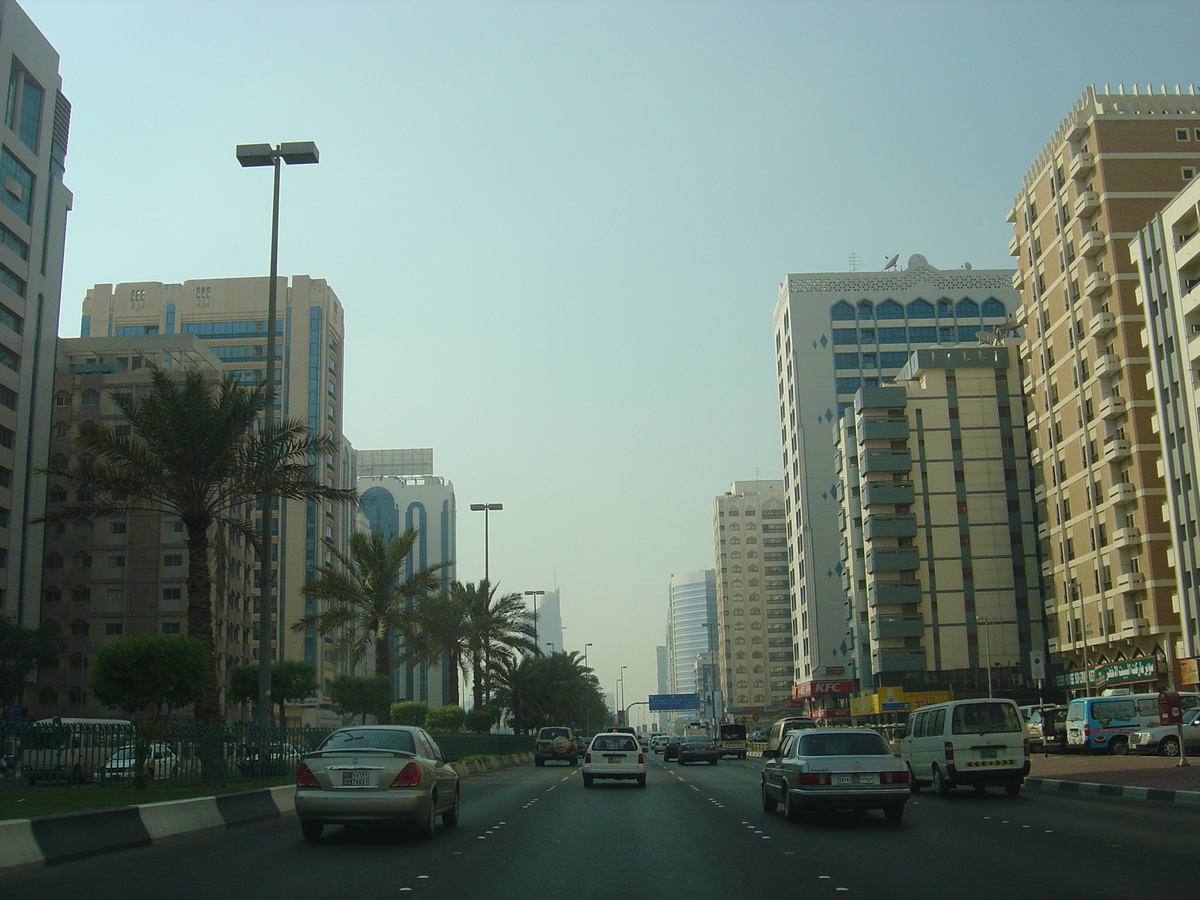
699,748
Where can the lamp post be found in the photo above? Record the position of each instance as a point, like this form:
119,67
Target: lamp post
534,595
550,644
486,508
585,646
710,677
621,713
250,156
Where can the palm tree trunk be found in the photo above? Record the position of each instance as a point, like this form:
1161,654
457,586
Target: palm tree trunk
383,653
452,667
200,620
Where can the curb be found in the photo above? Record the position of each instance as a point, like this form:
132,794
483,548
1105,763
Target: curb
1122,791
49,840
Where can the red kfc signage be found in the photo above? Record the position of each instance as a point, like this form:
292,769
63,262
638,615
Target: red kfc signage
813,688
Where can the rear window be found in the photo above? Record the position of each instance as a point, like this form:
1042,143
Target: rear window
614,742
550,734
866,744
366,739
986,718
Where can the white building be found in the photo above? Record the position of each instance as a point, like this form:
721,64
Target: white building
691,629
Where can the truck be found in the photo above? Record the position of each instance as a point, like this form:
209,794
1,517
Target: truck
731,740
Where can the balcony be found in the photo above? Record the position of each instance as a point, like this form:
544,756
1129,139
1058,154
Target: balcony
886,461
1096,284
883,627
889,526
1039,494
1102,324
893,492
887,593
1116,450
1108,364
1014,246
1092,243
1016,280
1126,537
1134,627
1047,568
1122,492
903,659
893,428
880,398
841,520
1028,384
1128,582
1082,165
1044,530
1086,202
1112,407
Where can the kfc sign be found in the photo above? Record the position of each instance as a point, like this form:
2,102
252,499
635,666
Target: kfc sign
813,688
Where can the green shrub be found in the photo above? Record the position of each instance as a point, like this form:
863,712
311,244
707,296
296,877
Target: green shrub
409,712
446,718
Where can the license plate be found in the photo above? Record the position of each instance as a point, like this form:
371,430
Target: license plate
356,779
615,759
988,754
854,779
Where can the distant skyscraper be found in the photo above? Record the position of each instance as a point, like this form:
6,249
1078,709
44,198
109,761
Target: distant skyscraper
393,503
691,626
550,626
33,221
836,332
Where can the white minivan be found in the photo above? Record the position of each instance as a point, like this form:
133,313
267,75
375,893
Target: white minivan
977,742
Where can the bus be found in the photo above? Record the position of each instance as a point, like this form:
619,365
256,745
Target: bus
731,740
70,749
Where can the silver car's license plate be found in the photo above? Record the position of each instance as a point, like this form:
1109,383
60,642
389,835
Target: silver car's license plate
355,779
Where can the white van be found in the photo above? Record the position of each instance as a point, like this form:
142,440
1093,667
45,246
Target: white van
977,742
70,749
780,729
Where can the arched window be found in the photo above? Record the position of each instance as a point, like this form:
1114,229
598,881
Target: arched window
58,461
966,309
54,560
841,311
739,641
739,626
741,654
75,696
920,309
740,670
993,308
945,309
866,310
82,560
80,627
889,309
90,398
52,594
757,654
758,670
757,639
81,593
57,494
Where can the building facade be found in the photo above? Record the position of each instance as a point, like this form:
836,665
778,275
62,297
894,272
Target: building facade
229,316
1168,262
393,503
691,629
549,622
1110,167
33,221
943,581
836,332
754,612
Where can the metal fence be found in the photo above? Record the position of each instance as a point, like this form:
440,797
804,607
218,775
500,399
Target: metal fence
43,753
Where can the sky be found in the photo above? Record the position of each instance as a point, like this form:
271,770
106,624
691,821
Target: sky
558,228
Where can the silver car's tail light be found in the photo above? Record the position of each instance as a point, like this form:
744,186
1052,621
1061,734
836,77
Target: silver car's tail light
305,777
410,776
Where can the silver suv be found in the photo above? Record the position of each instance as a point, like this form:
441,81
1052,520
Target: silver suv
555,743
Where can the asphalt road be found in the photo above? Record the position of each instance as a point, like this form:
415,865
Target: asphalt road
696,831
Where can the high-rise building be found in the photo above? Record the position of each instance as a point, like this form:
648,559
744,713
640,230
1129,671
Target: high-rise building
1168,261
401,493
549,624
126,574
939,538
230,316
691,628
836,332
33,221
754,612
1113,163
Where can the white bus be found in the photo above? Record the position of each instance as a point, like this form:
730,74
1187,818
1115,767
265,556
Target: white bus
69,749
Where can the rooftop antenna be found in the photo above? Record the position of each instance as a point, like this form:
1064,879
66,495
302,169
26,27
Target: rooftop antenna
891,263
853,261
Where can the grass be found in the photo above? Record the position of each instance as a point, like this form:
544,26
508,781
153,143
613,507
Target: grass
25,803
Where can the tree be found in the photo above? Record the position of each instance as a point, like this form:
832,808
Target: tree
439,630
291,679
548,690
194,452
499,627
410,712
150,674
446,718
368,596
482,719
355,695
21,651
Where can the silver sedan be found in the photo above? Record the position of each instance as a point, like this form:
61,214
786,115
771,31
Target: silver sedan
377,774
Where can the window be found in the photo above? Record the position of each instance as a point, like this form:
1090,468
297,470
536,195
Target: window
173,559
52,594
81,594
1181,134
1188,172
79,627
83,560
845,360
842,311
170,628
117,527
90,398
112,628
18,185
844,336
892,336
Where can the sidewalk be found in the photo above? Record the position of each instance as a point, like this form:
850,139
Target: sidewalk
1137,777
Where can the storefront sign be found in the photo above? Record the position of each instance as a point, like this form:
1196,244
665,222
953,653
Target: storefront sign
1127,671
813,688
1189,671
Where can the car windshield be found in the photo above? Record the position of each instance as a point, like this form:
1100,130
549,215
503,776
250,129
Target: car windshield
614,742
865,744
370,739
986,718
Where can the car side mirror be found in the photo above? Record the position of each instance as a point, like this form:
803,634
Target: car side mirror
450,757
770,754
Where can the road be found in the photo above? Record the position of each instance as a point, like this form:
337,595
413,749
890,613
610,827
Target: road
696,830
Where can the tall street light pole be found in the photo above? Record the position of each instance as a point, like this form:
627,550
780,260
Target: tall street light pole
486,508
621,714
254,155
535,595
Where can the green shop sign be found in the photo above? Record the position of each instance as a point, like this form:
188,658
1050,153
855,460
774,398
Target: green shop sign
1127,671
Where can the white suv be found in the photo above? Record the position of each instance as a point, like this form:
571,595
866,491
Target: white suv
614,755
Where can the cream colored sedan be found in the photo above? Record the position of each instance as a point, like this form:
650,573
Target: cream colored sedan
614,755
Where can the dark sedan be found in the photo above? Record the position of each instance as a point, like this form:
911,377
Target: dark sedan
671,747
699,748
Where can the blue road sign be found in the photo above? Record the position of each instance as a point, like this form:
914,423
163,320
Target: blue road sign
660,702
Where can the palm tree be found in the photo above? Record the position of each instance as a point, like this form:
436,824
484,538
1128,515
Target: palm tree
194,452
370,595
440,630
499,626
548,690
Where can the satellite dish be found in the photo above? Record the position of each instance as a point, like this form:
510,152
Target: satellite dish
1007,328
988,337
967,266
891,263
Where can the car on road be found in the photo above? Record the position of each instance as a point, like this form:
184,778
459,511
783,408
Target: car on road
759,737
781,727
1164,739
1047,727
671,747
834,768
255,761
977,742
555,743
656,742
161,763
377,774
614,755
698,748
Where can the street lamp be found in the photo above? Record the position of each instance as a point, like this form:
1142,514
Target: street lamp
535,595
550,644
621,714
250,156
486,508
585,646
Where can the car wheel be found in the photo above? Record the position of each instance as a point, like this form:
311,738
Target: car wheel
941,785
312,830
427,826
1119,748
894,813
1012,789
587,780
450,816
77,774
791,811
914,786
641,780
1169,746
539,762
572,761
713,762
769,803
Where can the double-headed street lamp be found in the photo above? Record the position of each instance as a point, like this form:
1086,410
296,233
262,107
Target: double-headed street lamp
535,595
253,155
486,508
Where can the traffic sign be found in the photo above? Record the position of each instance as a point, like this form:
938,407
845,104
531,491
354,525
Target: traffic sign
661,702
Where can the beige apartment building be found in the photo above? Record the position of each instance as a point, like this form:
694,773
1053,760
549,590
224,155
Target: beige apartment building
229,316
1113,163
754,612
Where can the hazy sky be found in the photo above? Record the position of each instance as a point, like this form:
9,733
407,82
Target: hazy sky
558,228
